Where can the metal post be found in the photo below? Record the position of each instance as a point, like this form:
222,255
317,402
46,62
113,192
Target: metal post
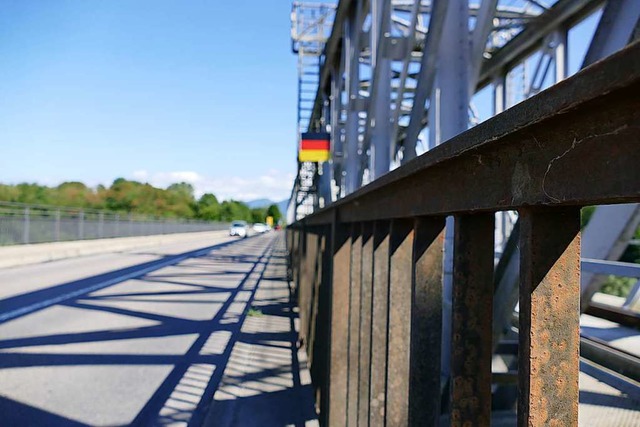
26,226
339,344
399,333
81,225
449,105
379,323
471,320
366,307
56,227
560,56
352,72
101,225
426,322
380,91
549,340
354,323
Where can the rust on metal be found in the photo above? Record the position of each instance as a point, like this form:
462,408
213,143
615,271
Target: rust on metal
426,322
339,311
366,300
472,319
354,324
549,338
379,324
399,339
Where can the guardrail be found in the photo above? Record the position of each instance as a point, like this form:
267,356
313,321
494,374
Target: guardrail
23,223
368,269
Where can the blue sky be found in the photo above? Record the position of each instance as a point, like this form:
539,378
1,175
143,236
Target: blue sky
158,90
162,91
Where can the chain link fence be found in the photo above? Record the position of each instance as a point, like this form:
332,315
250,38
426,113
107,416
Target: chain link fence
23,223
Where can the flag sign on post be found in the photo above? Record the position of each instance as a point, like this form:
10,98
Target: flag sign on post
314,147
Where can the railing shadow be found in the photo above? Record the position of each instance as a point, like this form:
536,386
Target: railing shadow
185,394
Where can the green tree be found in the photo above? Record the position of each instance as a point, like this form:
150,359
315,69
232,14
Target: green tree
274,211
231,210
208,207
258,215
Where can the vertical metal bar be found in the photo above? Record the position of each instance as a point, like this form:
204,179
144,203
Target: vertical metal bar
560,56
399,331
56,227
322,320
101,224
379,323
380,91
352,73
304,285
26,226
117,226
549,341
471,319
426,322
81,225
426,78
354,324
339,364
366,309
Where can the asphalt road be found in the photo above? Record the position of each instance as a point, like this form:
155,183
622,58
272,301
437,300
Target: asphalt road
135,338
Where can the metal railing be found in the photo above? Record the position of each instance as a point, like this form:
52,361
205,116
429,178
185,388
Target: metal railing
368,269
24,223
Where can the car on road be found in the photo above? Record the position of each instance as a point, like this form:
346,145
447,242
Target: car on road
260,227
238,228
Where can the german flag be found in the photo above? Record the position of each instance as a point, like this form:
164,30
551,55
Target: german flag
314,147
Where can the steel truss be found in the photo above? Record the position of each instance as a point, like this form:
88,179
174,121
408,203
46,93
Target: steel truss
398,78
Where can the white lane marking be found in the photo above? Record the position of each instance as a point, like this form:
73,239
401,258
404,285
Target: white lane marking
52,301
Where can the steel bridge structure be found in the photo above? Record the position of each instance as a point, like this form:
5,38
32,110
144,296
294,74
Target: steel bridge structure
462,149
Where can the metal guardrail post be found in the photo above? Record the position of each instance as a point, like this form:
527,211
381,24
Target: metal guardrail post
471,326
426,322
549,340
379,322
26,226
354,323
399,330
117,225
366,309
339,309
81,225
101,225
56,226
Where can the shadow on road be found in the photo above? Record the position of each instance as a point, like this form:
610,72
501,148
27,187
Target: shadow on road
203,300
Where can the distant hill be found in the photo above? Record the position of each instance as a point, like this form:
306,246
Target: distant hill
263,203
259,203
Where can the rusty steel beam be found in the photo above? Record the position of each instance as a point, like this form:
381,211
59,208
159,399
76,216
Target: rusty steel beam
472,319
379,324
557,148
549,339
426,322
399,335
354,324
336,411
366,309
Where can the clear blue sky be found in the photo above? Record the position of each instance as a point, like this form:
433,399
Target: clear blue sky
151,89
157,90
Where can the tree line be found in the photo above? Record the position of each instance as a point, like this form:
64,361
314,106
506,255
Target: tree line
125,196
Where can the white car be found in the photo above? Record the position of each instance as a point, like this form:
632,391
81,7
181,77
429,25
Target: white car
260,228
238,228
